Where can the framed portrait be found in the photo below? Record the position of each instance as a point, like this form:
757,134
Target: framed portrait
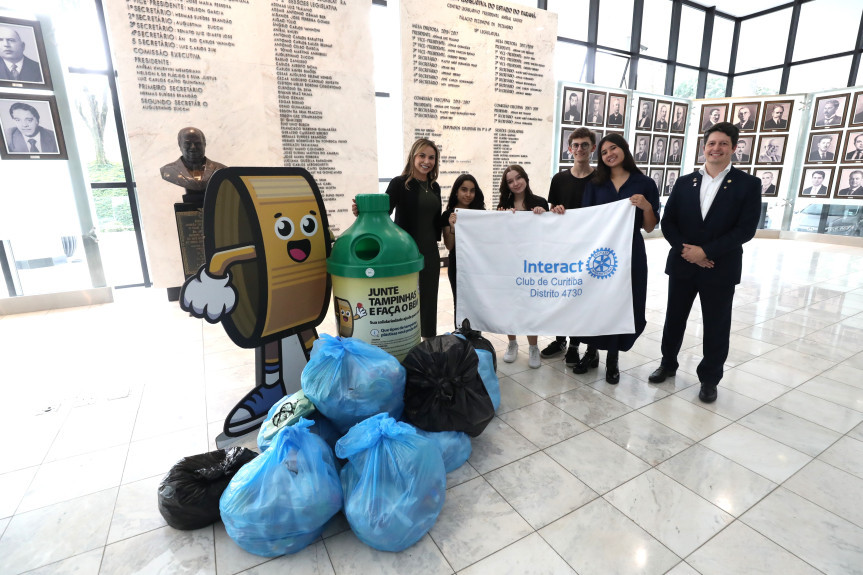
30,128
641,148
670,179
699,151
563,168
595,109
830,111
679,115
615,117
742,154
675,150
23,63
777,115
771,149
744,170
571,106
857,118
659,149
816,182
662,122
658,177
850,184
823,148
744,116
769,181
599,135
853,151
644,115
712,114
565,154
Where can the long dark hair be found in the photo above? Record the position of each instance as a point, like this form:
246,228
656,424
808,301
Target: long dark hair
603,172
409,165
478,202
507,200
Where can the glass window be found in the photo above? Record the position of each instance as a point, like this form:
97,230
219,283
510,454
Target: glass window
615,25
95,129
611,70
78,33
822,75
691,36
720,47
685,82
758,84
826,27
651,76
569,62
655,28
716,85
763,41
385,47
572,18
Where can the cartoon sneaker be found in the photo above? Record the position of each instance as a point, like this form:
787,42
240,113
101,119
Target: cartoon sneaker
251,411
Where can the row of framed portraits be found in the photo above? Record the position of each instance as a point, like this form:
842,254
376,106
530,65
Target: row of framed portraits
23,63
747,117
30,128
596,108
661,116
566,155
654,149
823,148
832,111
817,182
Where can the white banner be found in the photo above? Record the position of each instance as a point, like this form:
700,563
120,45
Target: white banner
527,274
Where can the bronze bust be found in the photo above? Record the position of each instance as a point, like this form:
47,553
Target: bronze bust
192,170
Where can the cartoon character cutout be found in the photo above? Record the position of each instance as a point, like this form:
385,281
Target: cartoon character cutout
345,317
266,240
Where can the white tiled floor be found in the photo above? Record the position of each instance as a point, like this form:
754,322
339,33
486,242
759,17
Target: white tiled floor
573,476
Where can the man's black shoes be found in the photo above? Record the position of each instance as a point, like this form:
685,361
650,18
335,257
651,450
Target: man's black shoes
660,373
553,349
708,393
572,357
588,360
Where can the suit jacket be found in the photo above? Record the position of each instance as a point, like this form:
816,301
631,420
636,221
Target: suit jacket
589,118
661,125
644,122
750,125
615,119
858,118
743,158
681,125
850,155
814,156
855,193
771,125
640,156
730,223
30,71
572,115
658,158
674,159
17,143
770,191
821,191
833,120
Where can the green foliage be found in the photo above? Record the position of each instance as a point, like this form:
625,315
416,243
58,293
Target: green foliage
103,173
112,204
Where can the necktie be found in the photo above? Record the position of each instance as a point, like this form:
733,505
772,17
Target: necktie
858,156
33,147
14,71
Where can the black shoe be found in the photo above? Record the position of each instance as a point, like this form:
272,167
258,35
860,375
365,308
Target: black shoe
553,349
660,373
590,359
612,372
708,393
572,356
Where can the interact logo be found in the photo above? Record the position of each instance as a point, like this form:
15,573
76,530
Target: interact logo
602,263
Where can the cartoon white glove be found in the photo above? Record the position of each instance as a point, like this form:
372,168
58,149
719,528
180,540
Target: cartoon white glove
207,296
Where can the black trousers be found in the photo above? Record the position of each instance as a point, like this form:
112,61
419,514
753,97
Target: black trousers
716,303
429,278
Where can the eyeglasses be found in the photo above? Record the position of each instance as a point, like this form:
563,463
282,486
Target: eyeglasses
583,145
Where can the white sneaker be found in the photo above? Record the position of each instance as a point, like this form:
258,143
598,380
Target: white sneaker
533,357
511,352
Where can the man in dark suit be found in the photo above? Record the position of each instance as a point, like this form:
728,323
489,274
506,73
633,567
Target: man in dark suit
857,152
816,189
640,150
595,115
855,186
858,117
710,214
661,119
775,122
829,117
712,119
740,156
28,137
674,155
573,113
644,119
14,65
672,177
615,118
679,124
821,152
744,119
768,188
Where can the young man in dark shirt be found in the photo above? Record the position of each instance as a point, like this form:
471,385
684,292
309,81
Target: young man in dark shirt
565,193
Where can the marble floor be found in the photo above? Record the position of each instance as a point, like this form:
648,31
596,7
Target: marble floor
572,476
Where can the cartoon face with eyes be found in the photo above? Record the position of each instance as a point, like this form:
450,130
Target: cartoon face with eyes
297,234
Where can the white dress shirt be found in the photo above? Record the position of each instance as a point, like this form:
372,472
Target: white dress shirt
709,188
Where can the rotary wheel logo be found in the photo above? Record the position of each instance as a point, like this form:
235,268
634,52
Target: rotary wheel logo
602,263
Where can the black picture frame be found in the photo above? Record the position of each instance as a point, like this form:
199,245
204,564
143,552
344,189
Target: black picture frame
745,170
658,156
806,182
599,135
675,159
771,124
843,184
857,118
668,184
565,155
853,147
595,102
699,150
751,109
568,116
766,154
564,167
707,120
822,118
831,151
641,153
34,73
776,176
747,143
661,124
679,120
654,172
644,113
16,111
611,116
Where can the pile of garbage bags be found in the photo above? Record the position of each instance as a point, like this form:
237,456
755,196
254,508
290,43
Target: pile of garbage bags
366,435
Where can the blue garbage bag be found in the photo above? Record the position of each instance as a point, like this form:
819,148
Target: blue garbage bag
349,380
279,502
286,411
454,446
487,371
394,482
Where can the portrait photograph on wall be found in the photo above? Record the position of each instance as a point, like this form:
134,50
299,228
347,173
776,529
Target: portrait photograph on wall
31,128
599,135
663,116
857,118
675,150
853,151
823,148
711,115
641,148
670,179
644,118
816,182
829,111
658,177
699,151
659,149
23,63
572,101
771,149
850,183
777,115
616,115
742,153
679,113
769,181
594,113
564,167
744,116
565,154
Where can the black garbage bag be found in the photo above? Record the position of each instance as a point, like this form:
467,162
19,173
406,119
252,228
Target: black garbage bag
476,339
189,494
443,390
